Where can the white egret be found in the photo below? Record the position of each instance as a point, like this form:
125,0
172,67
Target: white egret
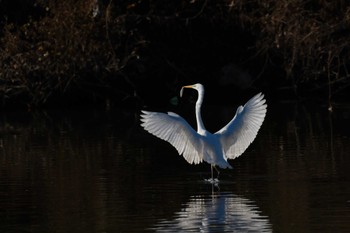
228,143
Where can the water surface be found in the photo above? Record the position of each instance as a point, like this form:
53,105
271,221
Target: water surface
96,171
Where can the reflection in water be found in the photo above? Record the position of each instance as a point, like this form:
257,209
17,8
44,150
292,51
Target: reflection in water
98,172
224,212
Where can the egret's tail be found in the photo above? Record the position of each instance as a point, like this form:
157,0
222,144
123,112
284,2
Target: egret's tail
225,165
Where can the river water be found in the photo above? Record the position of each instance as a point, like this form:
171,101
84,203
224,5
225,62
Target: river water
97,171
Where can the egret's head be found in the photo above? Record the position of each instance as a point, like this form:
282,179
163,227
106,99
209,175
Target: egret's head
199,87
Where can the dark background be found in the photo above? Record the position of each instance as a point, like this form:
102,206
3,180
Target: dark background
136,53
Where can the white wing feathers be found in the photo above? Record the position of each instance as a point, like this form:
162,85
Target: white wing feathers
237,135
234,138
175,130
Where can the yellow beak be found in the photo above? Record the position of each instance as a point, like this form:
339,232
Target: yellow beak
182,89
188,86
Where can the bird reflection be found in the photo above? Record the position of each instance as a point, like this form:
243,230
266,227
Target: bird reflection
223,212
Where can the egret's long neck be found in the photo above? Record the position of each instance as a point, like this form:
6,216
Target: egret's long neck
200,125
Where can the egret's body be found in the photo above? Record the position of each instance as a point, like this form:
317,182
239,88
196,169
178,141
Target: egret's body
228,143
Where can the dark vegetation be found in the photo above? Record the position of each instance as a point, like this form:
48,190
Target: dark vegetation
122,52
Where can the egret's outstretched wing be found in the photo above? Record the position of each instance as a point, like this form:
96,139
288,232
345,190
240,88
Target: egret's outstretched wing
175,130
236,136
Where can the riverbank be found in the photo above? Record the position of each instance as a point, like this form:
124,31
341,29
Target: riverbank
81,52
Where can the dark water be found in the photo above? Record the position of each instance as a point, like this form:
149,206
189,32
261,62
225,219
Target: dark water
92,171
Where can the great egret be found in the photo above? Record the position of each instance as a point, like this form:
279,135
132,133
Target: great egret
228,143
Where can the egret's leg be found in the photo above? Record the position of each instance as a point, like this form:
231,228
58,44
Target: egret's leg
217,170
212,177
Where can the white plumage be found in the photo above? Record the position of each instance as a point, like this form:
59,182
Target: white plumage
228,143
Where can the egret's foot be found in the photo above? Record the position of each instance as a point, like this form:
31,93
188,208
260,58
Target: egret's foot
212,181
